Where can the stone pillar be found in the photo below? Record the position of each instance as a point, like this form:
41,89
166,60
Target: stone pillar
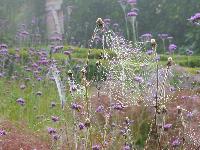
54,17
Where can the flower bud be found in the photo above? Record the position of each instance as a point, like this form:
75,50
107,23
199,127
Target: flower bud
100,23
70,74
87,123
153,43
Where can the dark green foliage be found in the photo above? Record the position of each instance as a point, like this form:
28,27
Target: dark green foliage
144,130
158,16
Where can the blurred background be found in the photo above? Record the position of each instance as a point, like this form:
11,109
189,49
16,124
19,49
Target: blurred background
76,20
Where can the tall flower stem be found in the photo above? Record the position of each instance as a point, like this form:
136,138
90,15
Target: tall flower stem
126,21
75,129
133,27
154,46
164,47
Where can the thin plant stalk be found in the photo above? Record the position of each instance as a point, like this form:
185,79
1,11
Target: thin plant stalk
133,27
164,47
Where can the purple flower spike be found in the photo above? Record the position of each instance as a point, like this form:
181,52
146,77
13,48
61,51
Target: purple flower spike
132,14
51,130
21,101
107,21
96,147
139,79
2,132
126,147
195,19
172,48
54,118
118,106
149,52
169,37
55,137
81,126
146,37
176,143
67,52
167,126
163,36
190,115
100,108
189,52
132,1
76,107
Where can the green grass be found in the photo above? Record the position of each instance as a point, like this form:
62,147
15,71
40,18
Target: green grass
182,60
37,111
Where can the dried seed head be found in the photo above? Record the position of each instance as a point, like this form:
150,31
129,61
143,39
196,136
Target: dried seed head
179,109
169,63
163,109
87,122
98,63
100,23
153,43
70,74
84,71
169,59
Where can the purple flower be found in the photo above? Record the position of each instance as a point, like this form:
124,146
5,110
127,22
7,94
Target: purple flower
195,19
135,9
107,21
149,52
169,37
138,79
167,126
67,52
115,25
183,97
34,65
157,58
132,14
3,51
76,107
2,132
21,101
55,137
132,1
128,122
3,46
1,74
172,48
95,147
146,37
54,118
100,108
118,106
81,126
59,48
126,147
176,143
190,115
163,36
189,52
51,130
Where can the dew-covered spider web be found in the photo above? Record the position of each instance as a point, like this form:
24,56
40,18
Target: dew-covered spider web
132,72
